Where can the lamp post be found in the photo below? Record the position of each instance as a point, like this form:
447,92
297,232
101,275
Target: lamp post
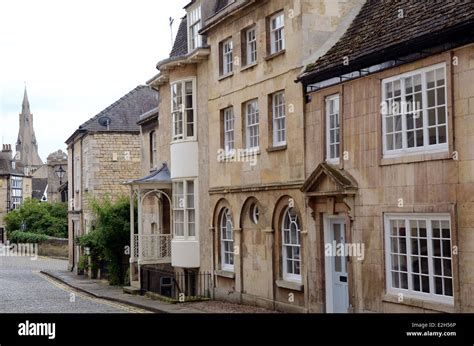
60,173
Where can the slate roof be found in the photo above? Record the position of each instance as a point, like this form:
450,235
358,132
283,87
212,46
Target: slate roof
39,186
377,29
180,46
125,112
7,169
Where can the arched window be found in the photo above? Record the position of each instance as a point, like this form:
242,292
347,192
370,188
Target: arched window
227,240
291,246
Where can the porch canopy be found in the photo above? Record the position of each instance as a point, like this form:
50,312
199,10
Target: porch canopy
152,243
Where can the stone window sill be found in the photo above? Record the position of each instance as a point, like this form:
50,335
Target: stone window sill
419,303
415,158
225,76
248,67
274,55
294,286
225,274
278,148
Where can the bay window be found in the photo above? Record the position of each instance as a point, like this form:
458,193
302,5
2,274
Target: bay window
183,110
184,213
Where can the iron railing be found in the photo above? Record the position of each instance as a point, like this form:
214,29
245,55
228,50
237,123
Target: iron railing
151,247
179,286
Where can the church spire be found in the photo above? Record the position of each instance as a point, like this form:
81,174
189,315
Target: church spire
25,109
26,146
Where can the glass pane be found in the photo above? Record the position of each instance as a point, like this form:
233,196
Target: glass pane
425,282
447,268
431,98
437,266
395,280
430,79
448,287
440,96
438,285
404,280
432,136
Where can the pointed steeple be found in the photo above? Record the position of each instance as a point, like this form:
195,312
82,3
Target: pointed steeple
26,146
25,108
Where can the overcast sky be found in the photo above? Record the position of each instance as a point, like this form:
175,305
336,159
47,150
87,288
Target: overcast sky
77,58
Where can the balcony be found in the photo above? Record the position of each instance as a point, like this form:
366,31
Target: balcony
152,248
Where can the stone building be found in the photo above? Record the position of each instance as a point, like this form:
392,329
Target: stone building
257,213
57,176
389,162
15,186
103,153
173,228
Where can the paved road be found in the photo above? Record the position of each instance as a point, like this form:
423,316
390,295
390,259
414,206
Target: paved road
23,289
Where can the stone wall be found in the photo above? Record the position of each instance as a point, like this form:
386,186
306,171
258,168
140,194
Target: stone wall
429,183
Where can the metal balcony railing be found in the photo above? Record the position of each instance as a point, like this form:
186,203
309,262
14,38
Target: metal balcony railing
151,247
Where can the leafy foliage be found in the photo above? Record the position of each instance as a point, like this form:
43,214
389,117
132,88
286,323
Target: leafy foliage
18,237
111,236
39,218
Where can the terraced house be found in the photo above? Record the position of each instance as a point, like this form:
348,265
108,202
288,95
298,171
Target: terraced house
260,249
103,153
172,239
389,160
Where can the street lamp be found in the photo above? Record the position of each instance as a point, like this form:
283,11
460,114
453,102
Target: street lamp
60,173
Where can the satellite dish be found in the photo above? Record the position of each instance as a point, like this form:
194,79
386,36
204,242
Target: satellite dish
105,121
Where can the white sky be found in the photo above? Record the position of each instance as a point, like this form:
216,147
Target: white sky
77,58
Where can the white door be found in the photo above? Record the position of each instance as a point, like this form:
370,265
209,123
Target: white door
336,273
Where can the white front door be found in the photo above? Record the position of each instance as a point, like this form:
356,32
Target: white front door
337,290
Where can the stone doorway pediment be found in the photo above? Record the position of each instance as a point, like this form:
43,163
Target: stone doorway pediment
327,180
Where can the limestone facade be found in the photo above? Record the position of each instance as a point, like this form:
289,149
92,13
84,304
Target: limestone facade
267,179
427,184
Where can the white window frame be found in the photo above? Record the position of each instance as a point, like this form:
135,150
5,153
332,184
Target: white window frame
252,124
426,148
287,275
335,129
251,45
181,204
275,31
154,150
178,112
279,118
194,25
410,292
226,216
229,130
227,57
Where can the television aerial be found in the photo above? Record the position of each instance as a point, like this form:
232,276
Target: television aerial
105,121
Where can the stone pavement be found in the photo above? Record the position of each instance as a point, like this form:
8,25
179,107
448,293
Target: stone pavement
103,290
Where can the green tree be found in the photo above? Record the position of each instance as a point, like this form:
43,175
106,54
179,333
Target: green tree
39,218
111,236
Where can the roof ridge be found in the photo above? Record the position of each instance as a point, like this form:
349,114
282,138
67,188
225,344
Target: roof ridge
113,105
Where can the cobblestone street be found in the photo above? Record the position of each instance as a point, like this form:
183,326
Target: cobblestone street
23,289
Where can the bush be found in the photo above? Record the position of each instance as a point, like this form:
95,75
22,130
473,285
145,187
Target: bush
40,218
25,237
110,237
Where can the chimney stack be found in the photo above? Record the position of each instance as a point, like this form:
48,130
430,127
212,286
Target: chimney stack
6,152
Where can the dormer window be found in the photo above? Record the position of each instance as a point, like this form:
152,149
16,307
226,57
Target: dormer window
194,25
